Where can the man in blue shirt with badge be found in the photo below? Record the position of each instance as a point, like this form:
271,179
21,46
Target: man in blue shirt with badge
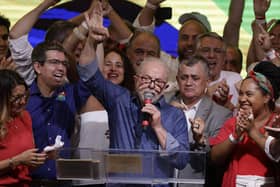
53,103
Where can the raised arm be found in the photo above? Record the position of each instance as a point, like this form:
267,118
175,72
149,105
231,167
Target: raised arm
264,41
25,24
117,23
97,33
145,19
232,27
255,53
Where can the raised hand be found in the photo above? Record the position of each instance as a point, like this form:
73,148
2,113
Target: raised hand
260,8
264,39
106,7
95,23
7,63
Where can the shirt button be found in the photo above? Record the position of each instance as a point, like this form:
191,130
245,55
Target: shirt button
49,169
49,124
50,138
48,110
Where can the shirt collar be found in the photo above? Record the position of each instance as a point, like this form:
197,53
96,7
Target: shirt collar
34,89
194,107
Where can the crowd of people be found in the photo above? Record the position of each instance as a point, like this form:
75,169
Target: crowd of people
88,84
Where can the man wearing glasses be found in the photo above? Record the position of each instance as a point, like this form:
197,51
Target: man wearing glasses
167,129
53,104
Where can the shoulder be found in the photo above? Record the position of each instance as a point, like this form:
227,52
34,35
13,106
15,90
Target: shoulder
230,75
220,109
214,110
26,118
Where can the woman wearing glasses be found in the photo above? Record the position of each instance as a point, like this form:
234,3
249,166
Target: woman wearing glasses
17,152
248,164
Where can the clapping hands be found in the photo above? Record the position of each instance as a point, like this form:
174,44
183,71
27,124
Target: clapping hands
245,121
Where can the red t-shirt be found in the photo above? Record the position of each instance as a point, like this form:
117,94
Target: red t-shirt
247,157
18,139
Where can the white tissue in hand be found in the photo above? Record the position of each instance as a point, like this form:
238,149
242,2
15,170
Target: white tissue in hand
58,144
251,117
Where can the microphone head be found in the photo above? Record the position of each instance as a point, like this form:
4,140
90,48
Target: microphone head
148,95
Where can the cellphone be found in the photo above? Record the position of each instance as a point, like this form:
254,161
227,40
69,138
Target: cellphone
164,13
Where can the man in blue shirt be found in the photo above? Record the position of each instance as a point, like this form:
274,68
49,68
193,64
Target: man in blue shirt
168,126
53,103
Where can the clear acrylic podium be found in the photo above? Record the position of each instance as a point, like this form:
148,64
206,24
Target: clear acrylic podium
88,166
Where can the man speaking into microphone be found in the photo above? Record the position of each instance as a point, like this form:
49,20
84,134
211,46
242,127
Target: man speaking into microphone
167,126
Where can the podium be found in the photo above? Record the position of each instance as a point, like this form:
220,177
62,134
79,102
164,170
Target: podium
88,166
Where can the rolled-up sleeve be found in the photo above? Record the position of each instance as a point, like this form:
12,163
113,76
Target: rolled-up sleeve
88,70
21,51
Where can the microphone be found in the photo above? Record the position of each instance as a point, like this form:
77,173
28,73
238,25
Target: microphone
146,117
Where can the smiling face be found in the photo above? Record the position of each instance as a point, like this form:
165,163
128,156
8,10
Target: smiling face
18,99
52,72
250,95
113,68
213,50
187,37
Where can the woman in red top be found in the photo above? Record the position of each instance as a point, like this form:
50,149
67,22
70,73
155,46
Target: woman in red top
17,152
248,163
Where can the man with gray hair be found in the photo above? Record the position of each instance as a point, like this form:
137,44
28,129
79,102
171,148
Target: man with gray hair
222,83
167,126
205,116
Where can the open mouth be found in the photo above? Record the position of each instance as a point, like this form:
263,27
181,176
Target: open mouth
59,76
113,75
212,64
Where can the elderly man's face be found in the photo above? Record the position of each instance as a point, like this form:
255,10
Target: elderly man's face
187,37
213,50
152,78
3,41
143,46
192,82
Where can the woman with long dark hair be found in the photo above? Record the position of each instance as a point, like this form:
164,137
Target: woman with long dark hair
17,152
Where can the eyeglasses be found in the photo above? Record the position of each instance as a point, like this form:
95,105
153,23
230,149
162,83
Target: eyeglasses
4,36
146,79
18,98
58,62
217,51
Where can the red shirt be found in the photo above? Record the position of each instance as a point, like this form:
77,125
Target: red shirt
18,139
247,157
